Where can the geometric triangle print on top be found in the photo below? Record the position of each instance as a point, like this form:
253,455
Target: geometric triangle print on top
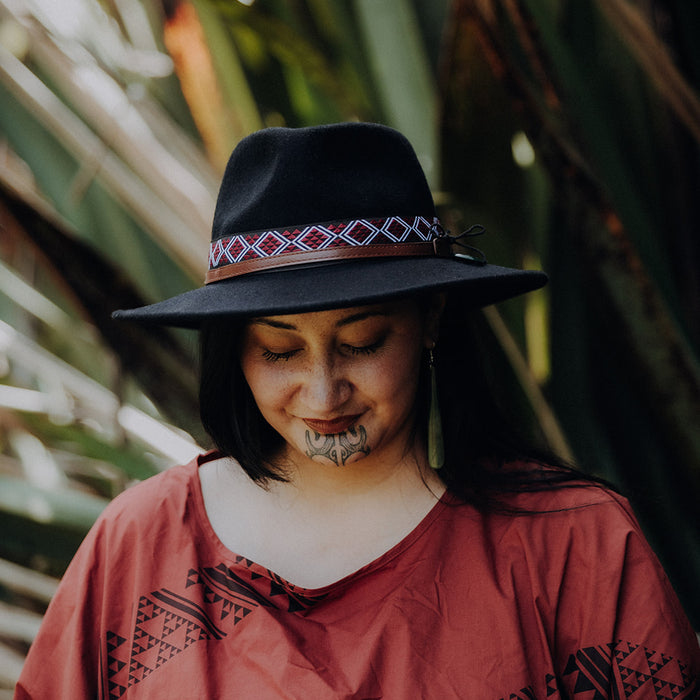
626,670
167,623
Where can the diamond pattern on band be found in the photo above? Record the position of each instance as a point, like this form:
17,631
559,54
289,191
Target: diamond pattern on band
230,250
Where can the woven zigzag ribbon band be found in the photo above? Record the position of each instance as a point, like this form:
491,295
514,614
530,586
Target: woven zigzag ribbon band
261,250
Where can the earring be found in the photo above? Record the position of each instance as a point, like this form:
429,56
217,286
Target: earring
436,448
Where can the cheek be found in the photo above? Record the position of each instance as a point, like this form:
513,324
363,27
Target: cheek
395,377
270,386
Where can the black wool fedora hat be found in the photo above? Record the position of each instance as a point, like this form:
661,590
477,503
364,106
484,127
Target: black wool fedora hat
325,217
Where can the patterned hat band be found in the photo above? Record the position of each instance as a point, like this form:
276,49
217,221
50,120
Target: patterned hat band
414,236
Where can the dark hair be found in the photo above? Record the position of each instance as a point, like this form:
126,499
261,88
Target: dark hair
227,408
479,440
486,455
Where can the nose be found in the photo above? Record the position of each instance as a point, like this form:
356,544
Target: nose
325,388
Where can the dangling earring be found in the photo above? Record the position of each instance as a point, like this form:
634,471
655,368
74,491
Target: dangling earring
436,448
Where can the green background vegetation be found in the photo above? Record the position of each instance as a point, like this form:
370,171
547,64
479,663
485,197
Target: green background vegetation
569,130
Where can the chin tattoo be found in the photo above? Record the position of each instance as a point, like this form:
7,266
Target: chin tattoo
338,447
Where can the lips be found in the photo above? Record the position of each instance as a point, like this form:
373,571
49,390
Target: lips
328,427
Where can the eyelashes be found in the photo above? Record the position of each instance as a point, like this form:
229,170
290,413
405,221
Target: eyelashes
364,349
277,356
354,350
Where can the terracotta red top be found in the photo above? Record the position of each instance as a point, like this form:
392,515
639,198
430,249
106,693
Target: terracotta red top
570,603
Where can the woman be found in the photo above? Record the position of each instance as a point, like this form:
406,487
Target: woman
367,528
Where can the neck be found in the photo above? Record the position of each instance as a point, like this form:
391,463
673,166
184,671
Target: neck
373,475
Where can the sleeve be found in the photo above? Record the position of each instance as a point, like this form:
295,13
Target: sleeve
620,630
64,659
140,535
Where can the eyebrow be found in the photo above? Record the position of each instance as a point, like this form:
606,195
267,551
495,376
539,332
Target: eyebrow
353,318
361,316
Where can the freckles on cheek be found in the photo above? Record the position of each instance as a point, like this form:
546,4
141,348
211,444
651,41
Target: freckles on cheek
394,378
269,387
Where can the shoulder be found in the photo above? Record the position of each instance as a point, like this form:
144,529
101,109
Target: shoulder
159,498
542,489
581,542
583,524
579,553
574,520
576,501
541,492
157,516
576,513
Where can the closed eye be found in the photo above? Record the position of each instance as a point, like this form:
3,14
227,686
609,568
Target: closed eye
364,349
277,356
272,356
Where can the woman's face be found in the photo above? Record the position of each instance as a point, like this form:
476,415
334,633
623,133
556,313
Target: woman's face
338,385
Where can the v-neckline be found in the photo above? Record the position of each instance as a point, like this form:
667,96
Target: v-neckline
259,571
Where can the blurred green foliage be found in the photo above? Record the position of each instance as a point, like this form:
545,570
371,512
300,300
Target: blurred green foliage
570,130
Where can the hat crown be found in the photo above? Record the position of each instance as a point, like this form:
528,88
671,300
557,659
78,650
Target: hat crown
334,216
281,177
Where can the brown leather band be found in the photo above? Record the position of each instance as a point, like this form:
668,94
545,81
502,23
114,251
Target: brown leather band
439,247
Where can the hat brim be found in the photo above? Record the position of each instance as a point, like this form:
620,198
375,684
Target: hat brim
342,284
